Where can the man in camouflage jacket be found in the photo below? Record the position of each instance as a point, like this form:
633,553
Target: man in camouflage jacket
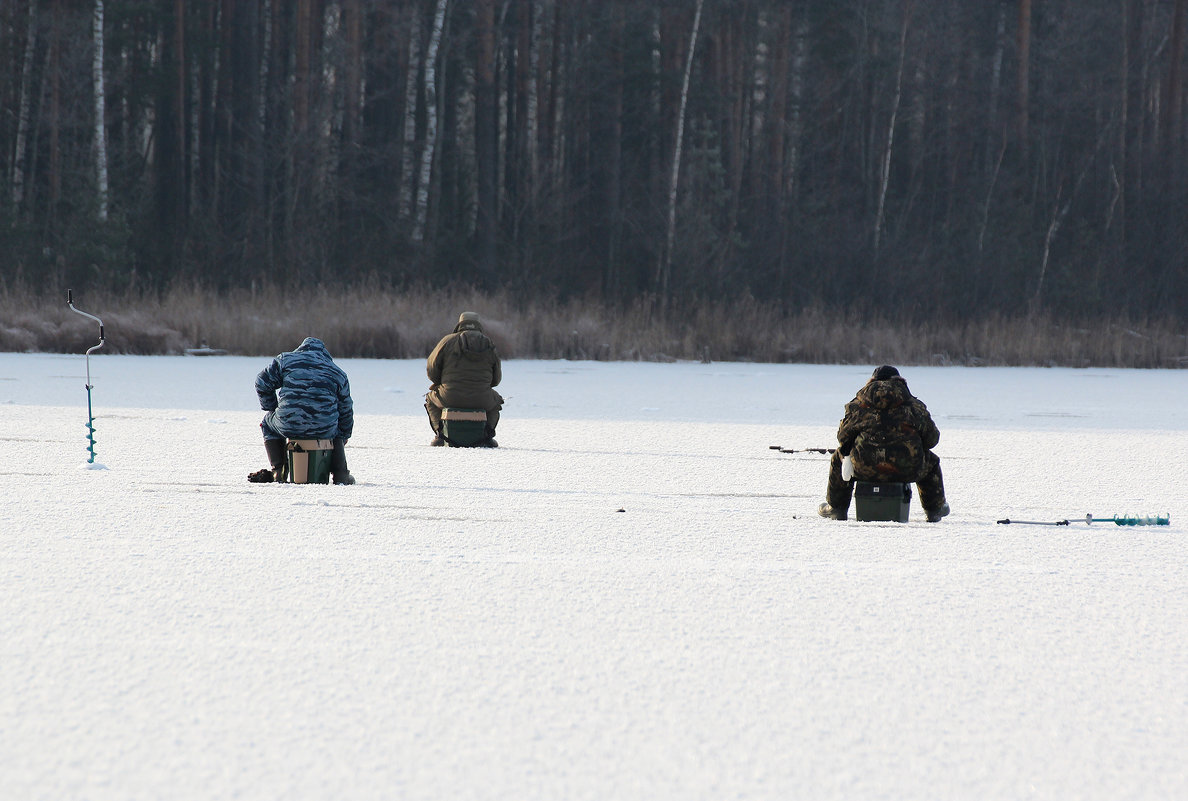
464,369
306,396
888,435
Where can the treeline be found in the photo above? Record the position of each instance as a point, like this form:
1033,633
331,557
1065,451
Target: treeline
922,159
370,321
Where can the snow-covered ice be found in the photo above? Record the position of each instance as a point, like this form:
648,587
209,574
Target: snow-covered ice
632,598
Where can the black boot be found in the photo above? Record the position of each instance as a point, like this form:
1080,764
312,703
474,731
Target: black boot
278,458
489,442
338,464
434,423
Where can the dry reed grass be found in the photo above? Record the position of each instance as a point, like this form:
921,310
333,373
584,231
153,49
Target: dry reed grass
373,322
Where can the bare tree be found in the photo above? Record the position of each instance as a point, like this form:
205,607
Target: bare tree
486,134
1174,103
885,172
664,269
100,111
25,91
408,151
427,154
1024,75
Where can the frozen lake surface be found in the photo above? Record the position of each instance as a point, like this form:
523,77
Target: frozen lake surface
632,598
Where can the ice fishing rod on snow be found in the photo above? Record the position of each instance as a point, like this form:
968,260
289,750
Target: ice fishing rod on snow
1118,520
90,350
782,449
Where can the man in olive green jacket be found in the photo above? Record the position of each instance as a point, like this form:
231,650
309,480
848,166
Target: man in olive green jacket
464,369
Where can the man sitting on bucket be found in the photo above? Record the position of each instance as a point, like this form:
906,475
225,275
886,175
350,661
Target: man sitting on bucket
887,434
464,369
307,396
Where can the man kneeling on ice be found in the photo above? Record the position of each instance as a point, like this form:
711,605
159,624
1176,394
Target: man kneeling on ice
306,396
888,435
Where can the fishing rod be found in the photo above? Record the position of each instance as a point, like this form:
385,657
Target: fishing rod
90,350
847,471
1118,520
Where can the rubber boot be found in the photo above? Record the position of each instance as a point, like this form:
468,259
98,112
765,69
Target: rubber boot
489,442
838,491
932,489
278,464
338,464
434,413
278,457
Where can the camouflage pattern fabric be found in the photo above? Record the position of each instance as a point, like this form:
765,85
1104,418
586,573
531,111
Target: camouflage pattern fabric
306,395
886,432
929,483
888,435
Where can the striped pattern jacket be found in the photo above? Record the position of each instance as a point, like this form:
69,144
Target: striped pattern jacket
309,394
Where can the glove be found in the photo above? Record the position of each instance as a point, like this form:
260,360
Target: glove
847,468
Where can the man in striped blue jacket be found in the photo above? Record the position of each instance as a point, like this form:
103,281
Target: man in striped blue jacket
306,396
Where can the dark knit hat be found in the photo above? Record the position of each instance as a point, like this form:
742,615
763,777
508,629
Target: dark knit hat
884,372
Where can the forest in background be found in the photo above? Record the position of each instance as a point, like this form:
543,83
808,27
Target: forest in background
904,165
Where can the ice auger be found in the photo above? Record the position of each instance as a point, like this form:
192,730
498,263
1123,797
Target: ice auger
90,350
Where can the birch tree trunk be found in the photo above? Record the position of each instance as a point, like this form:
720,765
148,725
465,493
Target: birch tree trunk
789,177
180,173
18,158
663,273
265,59
885,176
100,111
407,151
427,154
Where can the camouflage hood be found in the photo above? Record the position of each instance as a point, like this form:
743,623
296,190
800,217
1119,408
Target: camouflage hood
312,344
886,431
884,395
308,393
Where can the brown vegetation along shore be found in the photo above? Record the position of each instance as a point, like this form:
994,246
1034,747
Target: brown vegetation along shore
378,323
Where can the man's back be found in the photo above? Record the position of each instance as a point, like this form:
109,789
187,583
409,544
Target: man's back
309,391
886,429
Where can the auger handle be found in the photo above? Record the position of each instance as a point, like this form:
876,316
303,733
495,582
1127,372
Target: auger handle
70,303
93,348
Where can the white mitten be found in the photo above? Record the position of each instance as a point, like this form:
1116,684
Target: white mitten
847,468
